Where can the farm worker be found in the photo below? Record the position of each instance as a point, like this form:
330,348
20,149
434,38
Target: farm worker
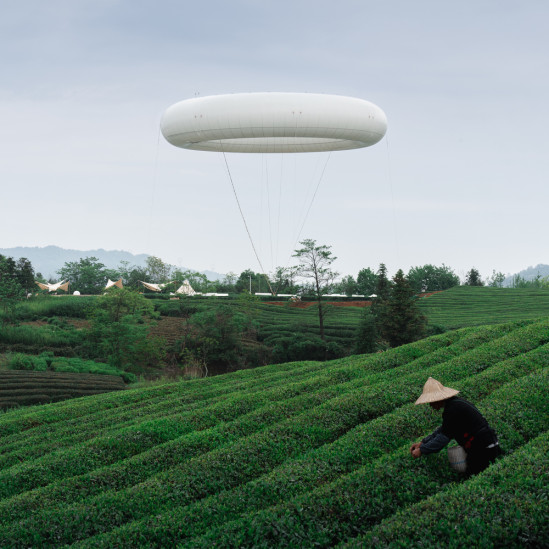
460,421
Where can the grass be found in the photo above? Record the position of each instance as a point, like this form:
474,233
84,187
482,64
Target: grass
295,455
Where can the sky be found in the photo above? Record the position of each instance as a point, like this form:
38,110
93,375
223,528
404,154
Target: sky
460,179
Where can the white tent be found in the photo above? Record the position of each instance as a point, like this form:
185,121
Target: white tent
185,289
154,287
63,285
118,284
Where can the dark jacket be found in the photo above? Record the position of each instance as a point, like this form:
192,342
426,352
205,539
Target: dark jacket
464,423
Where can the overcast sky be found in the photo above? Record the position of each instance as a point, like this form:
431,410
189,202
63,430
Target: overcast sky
461,178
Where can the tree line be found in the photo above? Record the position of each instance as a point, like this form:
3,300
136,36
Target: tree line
89,276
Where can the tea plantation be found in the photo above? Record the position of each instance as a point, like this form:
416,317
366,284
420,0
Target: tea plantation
303,454
474,305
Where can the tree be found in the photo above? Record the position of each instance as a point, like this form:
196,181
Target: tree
215,336
404,323
432,279
24,272
251,282
346,285
11,291
380,303
228,282
315,265
496,280
198,281
472,278
367,335
283,280
88,275
366,282
157,271
119,331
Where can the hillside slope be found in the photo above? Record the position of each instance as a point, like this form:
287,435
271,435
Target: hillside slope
293,455
475,305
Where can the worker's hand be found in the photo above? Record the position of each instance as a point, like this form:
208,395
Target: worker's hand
416,452
414,446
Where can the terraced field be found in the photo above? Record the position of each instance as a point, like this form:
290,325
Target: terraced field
474,306
296,455
22,388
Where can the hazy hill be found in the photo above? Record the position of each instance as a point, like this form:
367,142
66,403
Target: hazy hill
529,274
49,259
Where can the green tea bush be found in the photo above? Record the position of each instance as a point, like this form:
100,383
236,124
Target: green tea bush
505,506
301,454
210,473
341,509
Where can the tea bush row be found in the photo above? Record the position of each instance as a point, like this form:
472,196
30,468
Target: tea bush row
22,388
357,448
226,467
355,502
110,447
505,506
136,402
189,391
333,375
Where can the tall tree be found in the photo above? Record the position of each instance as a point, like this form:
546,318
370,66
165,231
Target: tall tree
472,278
24,272
404,322
11,291
380,302
367,334
315,262
366,281
157,271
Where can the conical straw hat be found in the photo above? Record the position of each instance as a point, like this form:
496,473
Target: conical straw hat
433,391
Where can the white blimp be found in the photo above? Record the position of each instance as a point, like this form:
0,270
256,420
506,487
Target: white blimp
273,122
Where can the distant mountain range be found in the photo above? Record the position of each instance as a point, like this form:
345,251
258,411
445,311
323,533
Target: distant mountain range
50,259
529,274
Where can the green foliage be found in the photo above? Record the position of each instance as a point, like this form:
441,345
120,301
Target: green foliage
403,322
11,289
300,346
33,383
48,361
537,282
366,282
496,280
473,278
429,278
88,275
298,454
119,331
315,262
393,318
505,506
215,336
42,306
157,271
474,306
367,334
